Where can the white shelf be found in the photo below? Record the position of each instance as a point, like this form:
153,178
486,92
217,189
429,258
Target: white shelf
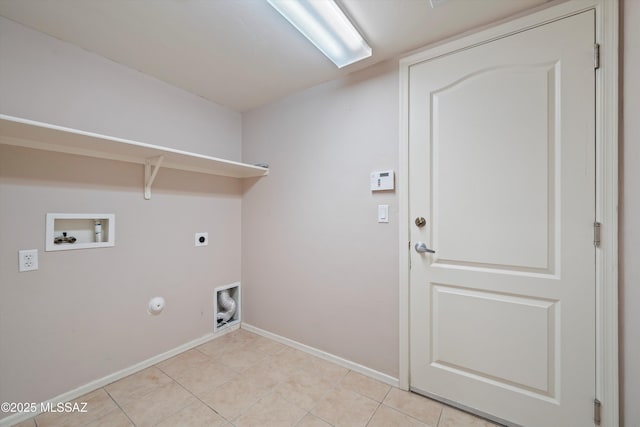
44,136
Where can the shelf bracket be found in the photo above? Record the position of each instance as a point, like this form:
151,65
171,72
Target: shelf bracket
150,175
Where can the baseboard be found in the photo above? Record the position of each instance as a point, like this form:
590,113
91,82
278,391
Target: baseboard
99,383
372,373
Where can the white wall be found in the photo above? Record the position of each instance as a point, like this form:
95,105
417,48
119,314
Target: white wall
630,216
83,314
316,265
44,79
308,144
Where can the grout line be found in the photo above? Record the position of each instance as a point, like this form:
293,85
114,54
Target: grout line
195,395
320,418
303,417
118,405
373,414
364,395
248,408
201,352
182,407
210,407
440,416
387,393
398,410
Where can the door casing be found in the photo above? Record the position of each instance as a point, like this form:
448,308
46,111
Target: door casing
606,12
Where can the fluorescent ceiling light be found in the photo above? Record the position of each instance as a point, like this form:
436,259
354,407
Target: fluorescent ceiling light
327,27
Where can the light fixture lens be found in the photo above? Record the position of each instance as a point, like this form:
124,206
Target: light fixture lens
327,27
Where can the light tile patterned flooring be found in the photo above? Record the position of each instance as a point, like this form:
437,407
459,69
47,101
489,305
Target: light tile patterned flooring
243,379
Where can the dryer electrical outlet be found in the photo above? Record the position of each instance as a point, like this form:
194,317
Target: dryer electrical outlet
202,239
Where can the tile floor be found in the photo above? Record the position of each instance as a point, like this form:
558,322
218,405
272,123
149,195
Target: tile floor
242,379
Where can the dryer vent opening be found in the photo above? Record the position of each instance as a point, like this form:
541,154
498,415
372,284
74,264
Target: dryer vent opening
227,306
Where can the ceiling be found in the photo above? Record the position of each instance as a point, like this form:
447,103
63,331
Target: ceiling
242,53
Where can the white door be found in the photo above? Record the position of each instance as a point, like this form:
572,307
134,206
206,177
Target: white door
502,168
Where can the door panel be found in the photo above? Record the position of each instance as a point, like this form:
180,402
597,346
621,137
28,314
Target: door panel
499,346
510,217
502,165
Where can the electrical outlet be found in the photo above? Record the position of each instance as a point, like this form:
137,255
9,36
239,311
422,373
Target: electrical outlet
202,239
28,260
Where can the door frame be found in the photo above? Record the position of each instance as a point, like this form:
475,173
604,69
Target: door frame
606,208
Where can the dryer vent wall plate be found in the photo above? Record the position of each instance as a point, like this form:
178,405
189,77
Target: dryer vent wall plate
226,306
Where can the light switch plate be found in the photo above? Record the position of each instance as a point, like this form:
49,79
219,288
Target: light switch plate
383,213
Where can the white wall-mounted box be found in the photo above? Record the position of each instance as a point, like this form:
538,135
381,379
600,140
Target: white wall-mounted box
382,180
67,231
